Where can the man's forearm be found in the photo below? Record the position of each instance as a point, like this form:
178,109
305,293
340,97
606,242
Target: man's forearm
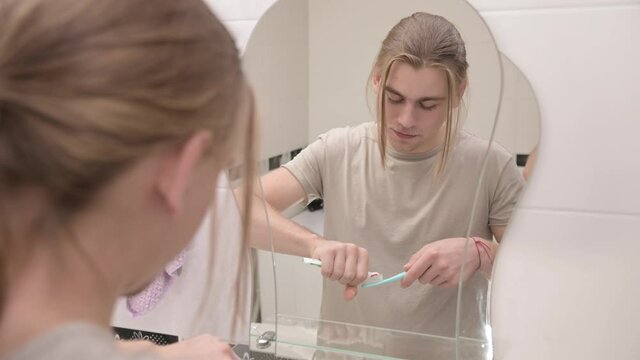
288,236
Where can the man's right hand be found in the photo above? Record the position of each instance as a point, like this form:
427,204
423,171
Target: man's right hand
343,262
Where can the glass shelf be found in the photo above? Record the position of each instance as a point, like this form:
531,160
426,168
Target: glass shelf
303,338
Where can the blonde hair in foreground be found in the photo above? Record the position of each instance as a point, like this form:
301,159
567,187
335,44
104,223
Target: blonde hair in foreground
88,87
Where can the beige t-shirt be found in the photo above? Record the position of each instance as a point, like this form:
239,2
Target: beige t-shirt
76,341
394,212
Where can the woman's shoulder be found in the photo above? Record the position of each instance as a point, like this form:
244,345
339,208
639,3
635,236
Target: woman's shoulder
76,341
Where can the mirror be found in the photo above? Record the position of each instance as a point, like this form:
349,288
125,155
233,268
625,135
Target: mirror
518,124
309,62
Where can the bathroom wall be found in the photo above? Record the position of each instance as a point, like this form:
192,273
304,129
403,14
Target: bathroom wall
566,281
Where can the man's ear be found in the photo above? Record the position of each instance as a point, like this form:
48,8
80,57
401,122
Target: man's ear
462,87
178,170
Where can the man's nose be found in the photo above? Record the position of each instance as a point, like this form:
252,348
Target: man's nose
408,116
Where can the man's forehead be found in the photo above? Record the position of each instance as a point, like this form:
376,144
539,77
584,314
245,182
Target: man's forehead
424,82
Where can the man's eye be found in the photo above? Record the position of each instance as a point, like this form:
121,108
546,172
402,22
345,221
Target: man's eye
428,107
393,98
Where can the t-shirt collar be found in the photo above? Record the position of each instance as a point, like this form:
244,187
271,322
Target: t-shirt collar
414,156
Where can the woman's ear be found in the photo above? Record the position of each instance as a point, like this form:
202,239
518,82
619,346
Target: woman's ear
376,83
178,169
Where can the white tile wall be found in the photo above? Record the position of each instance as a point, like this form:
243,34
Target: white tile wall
582,65
241,31
576,276
493,5
232,10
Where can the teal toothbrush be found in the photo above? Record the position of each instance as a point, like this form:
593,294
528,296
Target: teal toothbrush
394,278
373,279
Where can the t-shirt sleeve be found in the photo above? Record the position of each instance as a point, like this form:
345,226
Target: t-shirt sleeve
308,167
506,194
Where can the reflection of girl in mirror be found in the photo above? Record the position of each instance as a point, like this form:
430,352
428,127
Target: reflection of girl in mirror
116,118
398,193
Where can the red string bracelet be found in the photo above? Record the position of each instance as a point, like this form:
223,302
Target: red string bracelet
486,251
481,244
479,256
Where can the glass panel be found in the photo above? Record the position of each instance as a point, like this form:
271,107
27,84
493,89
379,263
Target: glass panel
262,303
298,338
517,131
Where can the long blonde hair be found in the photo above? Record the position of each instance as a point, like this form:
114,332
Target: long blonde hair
88,87
423,40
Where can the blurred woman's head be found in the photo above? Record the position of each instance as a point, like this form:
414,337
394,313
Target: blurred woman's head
116,118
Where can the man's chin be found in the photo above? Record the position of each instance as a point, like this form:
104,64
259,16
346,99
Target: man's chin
405,146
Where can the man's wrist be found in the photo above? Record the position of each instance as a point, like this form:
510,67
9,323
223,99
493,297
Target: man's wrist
312,241
486,251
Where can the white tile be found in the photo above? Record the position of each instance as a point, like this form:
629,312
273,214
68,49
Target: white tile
566,286
253,9
582,65
239,9
241,31
491,5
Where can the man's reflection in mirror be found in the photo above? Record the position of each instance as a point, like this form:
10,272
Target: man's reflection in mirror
398,192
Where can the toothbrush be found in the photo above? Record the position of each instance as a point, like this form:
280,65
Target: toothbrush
394,278
373,277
